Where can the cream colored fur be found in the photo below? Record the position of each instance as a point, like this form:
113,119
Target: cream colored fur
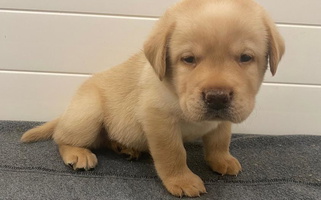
155,100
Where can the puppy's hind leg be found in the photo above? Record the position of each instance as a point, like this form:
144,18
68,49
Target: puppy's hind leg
79,129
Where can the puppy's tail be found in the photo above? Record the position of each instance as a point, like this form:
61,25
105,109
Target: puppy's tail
43,132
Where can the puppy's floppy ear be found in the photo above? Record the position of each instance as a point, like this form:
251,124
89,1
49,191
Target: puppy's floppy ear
155,48
276,44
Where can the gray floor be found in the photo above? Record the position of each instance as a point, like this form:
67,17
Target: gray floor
274,167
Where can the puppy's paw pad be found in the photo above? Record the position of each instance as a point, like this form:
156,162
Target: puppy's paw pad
185,185
81,160
225,164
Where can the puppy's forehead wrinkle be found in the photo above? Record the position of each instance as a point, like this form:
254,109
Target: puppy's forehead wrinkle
231,38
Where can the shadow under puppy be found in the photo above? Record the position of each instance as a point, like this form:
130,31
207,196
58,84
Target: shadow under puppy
199,71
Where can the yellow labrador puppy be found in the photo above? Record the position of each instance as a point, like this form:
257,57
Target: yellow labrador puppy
200,71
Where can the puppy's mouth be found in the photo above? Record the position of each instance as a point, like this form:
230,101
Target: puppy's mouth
202,111
226,114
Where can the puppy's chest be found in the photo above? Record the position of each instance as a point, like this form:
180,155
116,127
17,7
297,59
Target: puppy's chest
195,130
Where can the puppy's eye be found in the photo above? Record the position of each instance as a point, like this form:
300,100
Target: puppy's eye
245,58
190,60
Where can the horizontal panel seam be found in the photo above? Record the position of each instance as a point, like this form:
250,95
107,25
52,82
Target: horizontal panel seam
292,84
298,25
73,13
44,73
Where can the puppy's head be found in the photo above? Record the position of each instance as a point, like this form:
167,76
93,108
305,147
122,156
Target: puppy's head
215,54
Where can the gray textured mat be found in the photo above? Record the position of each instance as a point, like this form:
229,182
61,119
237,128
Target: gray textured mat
274,167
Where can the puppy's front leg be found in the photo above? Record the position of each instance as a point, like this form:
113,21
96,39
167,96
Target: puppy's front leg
217,153
166,147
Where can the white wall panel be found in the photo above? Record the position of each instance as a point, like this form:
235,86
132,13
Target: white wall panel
285,109
54,42
35,41
294,11
117,7
36,96
302,61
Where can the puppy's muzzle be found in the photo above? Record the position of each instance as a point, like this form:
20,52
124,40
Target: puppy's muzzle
218,99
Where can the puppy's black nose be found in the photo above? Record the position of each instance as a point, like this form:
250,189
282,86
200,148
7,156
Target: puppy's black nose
218,99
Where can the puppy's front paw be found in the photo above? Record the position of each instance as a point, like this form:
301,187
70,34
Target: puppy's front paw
225,164
187,184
